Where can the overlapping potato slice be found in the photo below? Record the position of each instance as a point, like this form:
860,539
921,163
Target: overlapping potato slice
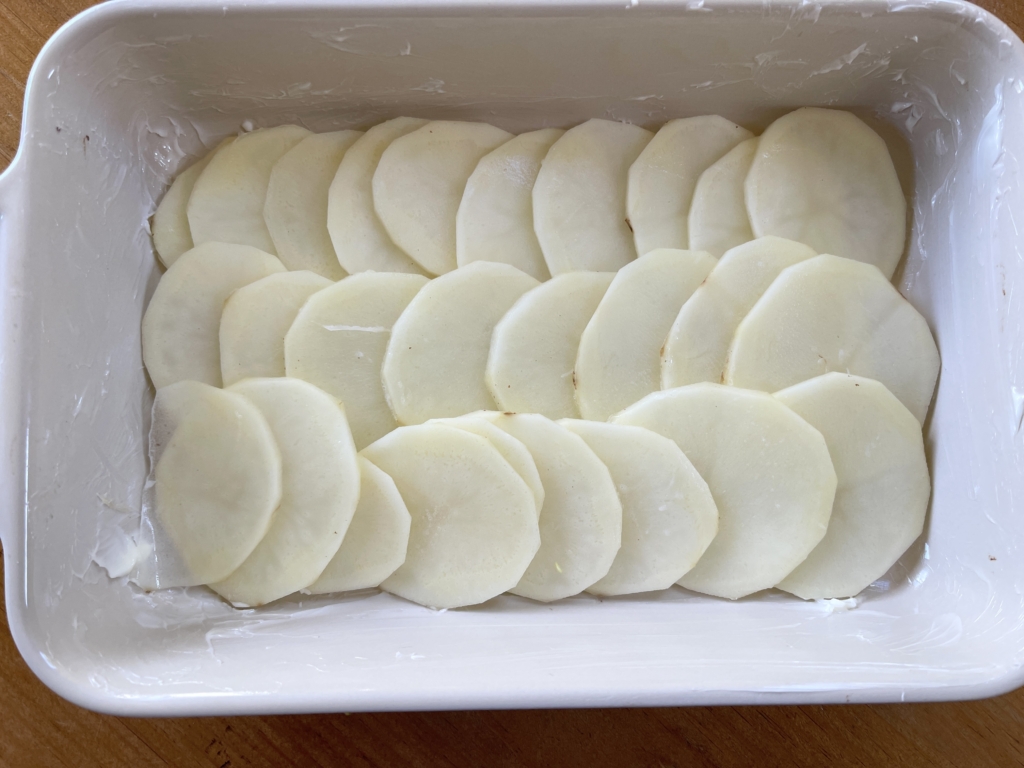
668,515
534,346
474,521
171,233
824,178
320,489
376,540
495,219
338,341
418,186
834,314
226,204
662,179
255,320
718,217
181,327
698,344
581,520
217,477
579,198
435,361
769,472
882,496
619,359
360,240
295,209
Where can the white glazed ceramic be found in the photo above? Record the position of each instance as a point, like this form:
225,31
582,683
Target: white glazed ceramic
129,92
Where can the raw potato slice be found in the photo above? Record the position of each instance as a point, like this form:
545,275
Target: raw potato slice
418,186
663,177
227,200
295,210
718,217
217,482
824,178
181,327
514,452
768,470
255,320
668,515
579,198
320,488
834,314
338,340
534,346
474,522
435,363
359,238
619,360
882,496
164,565
495,219
171,233
698,344
581,520
375,542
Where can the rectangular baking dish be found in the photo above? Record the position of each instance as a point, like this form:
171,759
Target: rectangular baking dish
129,92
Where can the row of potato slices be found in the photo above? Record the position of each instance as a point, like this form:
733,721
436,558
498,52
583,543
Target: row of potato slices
424,197
816,490
399,349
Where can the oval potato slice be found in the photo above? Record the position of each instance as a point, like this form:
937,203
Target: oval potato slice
718,217
534,346
474,522
320,489
171,233
226,204
581,520
295,210
698,344
217,481
376,540
619,359
163,566
834,314
668,515
181,327
662,179
769,472
495,219
255,320
338,341
579,198
435,361
514,452
359,238
882,496
823,177
418,186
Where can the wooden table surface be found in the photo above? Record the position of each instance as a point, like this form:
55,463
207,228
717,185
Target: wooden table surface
39,729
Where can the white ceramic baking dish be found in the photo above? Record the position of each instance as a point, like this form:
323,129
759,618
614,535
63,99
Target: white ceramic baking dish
128,92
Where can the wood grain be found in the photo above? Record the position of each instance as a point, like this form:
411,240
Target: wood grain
39,729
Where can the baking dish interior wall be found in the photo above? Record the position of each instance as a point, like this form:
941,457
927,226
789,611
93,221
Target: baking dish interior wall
117,108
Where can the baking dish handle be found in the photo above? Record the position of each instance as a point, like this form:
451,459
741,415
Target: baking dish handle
12,469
